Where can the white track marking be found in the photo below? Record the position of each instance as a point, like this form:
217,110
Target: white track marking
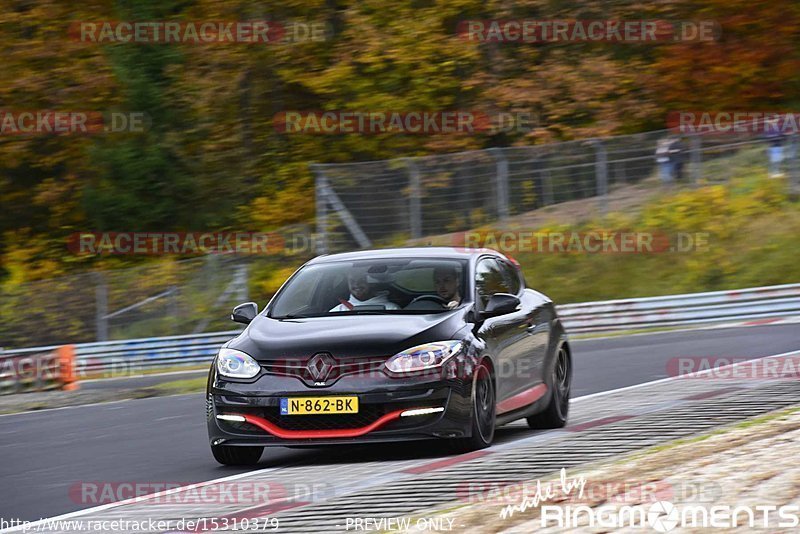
85,511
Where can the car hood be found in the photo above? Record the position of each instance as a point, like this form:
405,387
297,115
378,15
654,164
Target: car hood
344,336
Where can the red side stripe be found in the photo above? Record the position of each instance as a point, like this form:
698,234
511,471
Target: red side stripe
519,400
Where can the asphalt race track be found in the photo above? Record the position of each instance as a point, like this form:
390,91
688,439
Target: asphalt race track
163,439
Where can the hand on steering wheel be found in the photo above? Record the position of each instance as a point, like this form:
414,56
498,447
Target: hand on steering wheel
435,298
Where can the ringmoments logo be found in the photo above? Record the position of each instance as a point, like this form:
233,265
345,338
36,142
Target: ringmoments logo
664,516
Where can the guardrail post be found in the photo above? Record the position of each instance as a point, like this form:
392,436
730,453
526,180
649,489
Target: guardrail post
241,279
501,182
794,163
547,187
322,210
174,308
601,173
697,158
414,198
101,307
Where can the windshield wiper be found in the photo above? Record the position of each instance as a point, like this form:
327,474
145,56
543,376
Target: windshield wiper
292,316
362,312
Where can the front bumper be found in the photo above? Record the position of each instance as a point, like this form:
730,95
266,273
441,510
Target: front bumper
381,401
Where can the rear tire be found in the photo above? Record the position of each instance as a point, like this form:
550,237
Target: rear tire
483,414
559,382
227,455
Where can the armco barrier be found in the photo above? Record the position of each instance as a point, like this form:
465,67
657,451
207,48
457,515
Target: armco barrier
107,359
38,370
131,356
678,310
118,357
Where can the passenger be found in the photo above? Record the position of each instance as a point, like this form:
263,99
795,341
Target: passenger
362,293
447,283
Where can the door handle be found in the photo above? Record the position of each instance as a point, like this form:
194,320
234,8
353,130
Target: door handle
535,328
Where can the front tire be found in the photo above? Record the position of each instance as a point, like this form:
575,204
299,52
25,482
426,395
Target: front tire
227,455
560,382
483,413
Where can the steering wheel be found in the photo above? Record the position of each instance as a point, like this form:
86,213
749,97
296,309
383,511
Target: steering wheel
435,298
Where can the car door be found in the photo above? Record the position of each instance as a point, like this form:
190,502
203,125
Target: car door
506,336
538,316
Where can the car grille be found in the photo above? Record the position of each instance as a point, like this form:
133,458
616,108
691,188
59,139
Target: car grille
297,367
367,414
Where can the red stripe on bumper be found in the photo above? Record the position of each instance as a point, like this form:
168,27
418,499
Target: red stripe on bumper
282,433
519,400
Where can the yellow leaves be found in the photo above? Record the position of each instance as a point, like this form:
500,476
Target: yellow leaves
273,281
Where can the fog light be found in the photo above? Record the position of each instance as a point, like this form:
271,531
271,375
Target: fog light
421,411
237,418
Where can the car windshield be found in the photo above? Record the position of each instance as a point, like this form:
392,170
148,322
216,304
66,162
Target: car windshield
388,286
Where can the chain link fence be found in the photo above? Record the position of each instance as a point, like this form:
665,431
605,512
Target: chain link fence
376,203
166,298
393,201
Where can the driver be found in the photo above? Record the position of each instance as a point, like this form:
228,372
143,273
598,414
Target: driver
363,294
446,281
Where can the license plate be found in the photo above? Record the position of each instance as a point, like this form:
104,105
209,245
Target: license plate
318,405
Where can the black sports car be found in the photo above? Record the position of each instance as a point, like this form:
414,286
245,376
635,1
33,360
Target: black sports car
389,345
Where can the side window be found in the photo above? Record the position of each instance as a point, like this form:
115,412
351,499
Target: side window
489,280
511,276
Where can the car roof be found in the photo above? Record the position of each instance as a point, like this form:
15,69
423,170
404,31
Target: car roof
457,253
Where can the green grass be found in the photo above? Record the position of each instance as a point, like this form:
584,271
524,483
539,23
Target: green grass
747,423
752,228
178,387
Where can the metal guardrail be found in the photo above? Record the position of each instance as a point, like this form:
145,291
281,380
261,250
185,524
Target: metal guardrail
126,357
150,353
38,369
678,310
29,372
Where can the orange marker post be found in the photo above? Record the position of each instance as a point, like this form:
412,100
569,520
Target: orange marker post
66,364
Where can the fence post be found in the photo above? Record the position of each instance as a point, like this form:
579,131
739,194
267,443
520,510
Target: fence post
601,173
241,282
414,197
697,155
174,308
322,209
794,163
501,182
547,187
101,307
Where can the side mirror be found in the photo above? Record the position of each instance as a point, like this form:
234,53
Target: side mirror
500,304
244,313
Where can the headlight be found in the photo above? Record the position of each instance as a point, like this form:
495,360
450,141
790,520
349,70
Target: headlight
423,357
236,364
